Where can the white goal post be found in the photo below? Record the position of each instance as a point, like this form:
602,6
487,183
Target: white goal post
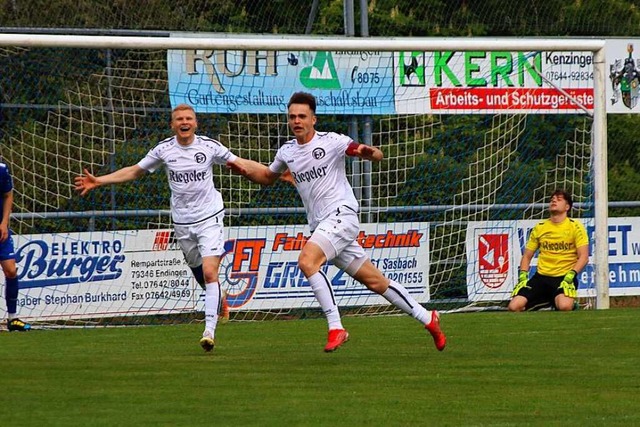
387,183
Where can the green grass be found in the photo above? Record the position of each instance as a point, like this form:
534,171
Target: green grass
503,369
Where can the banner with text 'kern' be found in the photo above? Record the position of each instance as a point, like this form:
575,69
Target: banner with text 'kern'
373,82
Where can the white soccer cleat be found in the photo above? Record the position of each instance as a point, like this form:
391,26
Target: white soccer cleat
206,342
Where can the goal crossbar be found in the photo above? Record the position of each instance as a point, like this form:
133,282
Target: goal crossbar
263,42
306,43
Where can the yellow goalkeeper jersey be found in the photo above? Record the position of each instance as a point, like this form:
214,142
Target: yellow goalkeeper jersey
558,243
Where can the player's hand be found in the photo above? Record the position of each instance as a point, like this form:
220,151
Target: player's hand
287,177
4,232
523,279
236,168
568,286
365,151
85,183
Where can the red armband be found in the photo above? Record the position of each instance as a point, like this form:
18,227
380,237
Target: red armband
352,149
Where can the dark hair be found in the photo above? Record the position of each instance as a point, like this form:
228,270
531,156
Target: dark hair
303,98
565,195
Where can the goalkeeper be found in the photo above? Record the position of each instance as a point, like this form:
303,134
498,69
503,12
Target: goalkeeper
563,247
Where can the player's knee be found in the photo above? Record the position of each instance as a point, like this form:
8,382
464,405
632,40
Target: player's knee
516,305
10,271
11,275
210,275
564,304
308,265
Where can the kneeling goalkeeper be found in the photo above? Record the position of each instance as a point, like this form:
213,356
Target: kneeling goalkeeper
564,251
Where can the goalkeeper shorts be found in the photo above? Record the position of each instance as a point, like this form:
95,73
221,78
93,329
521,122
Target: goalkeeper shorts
543,291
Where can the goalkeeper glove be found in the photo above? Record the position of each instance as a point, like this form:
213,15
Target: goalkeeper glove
567,285
523,278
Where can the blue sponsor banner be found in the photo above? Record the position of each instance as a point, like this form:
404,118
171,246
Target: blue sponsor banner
262,82
86,275
621,276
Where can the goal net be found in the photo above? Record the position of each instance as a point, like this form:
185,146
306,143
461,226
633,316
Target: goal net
475,141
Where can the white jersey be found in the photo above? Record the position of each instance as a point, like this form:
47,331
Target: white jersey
194,196
318,168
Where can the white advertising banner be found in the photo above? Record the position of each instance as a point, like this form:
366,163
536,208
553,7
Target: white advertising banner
484,82
623,66
142,272
101,274
261,269
373,82
494,250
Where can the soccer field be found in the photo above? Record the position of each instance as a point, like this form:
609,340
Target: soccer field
543,368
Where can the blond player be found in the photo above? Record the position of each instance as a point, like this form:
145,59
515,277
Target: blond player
197,209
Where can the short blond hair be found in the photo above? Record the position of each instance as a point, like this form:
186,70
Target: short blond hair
182,107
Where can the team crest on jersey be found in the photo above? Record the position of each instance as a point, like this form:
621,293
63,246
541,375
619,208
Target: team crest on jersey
493,259
318,153
200,157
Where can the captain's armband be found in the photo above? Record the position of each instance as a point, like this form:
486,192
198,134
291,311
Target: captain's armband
352,149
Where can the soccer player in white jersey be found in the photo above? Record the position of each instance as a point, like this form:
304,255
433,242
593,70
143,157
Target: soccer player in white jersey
316,161
197,209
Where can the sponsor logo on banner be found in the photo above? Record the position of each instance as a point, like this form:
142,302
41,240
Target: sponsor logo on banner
493,259
68,262
625,80
321,74
411,68
164,240
239,269
250,81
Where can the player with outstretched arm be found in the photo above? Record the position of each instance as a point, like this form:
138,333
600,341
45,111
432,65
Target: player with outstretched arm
316,161
197,208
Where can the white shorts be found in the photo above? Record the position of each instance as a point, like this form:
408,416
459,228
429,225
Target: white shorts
336,236
202,239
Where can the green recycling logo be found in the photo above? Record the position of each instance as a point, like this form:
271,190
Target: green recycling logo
321,74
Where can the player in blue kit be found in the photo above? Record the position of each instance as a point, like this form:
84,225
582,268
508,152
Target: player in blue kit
8,254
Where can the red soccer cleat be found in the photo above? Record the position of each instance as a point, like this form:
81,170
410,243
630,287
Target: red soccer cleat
439,339
337,337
